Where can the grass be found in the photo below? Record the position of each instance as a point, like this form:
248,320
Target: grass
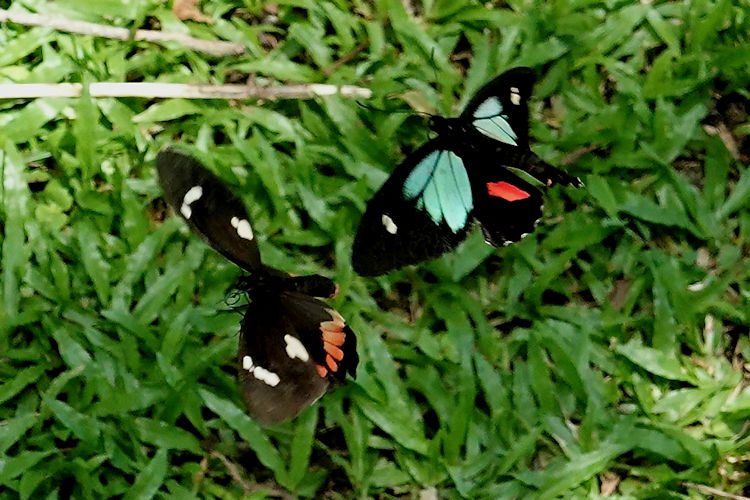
605,355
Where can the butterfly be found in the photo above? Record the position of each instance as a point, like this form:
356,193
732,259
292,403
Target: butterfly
292,346
428,205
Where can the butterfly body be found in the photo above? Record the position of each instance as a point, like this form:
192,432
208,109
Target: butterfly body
292,346
430,202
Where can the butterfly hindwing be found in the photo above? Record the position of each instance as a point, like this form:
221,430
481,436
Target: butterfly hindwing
209,207
506,206
291,347
500,109
422,211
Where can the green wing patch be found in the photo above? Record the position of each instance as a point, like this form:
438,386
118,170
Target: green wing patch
490,120
441,186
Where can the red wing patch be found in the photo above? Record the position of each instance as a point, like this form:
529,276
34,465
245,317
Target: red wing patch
506,191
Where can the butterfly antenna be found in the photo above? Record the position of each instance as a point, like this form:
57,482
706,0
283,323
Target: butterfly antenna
427,115
373,108
368,107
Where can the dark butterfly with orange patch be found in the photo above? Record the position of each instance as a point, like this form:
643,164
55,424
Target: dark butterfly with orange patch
292,345
428,204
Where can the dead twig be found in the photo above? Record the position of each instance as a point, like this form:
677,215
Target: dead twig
188,10
726,137
233,471
180,90
251,488
328,70
215,48
574,155
708,490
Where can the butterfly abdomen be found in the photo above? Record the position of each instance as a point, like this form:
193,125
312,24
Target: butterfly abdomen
315,285
549,175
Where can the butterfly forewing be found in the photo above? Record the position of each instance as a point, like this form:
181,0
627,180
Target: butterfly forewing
291,347
211,210
440,185
500,109
422,211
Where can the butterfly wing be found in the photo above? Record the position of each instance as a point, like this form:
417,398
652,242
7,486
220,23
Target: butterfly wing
292,346
500,110
506,206
422,211
209,207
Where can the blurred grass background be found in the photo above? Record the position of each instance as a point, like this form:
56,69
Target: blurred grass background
606,355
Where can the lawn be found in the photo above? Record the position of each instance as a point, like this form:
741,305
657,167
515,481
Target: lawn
605,355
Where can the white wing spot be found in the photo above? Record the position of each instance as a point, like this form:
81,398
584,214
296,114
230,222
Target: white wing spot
523,235
247,363
193,194
269,377
295,349
389,225
515,96
243,228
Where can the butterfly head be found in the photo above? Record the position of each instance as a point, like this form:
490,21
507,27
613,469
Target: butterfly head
444,126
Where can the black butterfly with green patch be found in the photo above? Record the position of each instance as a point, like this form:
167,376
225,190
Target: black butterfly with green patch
292,346
427,206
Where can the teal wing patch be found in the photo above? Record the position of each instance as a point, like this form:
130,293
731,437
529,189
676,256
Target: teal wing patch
441,186
490,120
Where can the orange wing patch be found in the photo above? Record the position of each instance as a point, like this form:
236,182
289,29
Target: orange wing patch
333,338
